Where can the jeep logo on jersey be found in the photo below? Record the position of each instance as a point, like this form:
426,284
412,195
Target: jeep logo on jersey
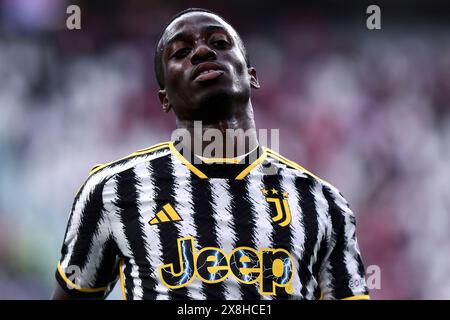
270,267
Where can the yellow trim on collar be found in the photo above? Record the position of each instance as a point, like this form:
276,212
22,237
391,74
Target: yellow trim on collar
221,160
252,165
191,167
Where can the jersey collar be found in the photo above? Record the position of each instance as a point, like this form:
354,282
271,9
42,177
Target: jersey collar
204,168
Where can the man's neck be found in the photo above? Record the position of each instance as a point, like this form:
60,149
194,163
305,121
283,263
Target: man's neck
227,138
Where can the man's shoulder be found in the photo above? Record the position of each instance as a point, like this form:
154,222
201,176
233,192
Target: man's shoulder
295,168
102,172
329,191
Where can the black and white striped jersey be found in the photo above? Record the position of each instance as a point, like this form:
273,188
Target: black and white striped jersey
170,228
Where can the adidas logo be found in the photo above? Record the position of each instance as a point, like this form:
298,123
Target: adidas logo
167,214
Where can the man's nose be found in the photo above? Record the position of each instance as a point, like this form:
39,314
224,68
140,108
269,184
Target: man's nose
203,53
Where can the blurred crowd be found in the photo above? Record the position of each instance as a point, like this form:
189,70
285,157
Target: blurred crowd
368,111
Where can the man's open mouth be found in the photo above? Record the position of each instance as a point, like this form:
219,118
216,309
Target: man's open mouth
207,71
208,75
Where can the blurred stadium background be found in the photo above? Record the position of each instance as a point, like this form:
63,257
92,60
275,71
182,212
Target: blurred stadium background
366,110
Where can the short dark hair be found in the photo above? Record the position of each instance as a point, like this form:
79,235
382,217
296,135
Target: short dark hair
158,51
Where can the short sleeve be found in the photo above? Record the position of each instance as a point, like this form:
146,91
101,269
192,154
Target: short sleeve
88,267
342,274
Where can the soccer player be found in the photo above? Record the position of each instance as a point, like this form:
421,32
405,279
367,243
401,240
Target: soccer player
169,223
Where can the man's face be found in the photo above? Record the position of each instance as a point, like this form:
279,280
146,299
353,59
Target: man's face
204,68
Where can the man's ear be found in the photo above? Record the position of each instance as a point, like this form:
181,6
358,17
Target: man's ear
253,78
162,95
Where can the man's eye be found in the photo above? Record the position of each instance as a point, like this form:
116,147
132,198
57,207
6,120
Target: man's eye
181,53
220,43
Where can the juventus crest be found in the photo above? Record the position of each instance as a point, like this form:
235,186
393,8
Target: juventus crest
280,204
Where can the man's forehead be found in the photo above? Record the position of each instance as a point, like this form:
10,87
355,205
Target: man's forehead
197,20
